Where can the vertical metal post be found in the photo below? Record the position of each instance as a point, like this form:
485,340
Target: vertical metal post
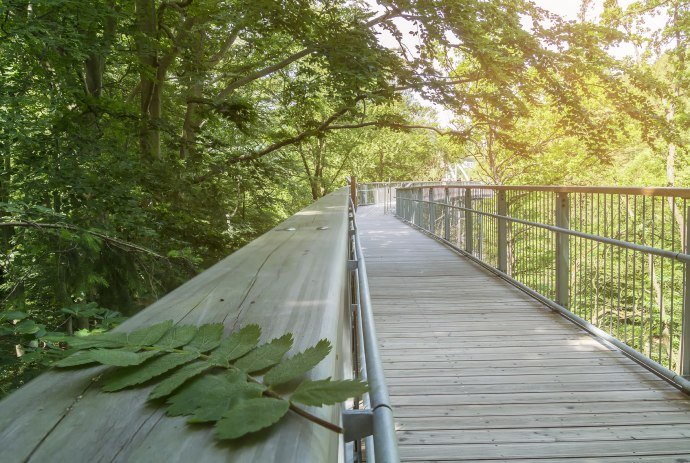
469,239
502,233
562,250
685,330
446,216
353,191
398,209
432,212
418,209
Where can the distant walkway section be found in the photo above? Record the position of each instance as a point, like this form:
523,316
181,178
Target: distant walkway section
479,371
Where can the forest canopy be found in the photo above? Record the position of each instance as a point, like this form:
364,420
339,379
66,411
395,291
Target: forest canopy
142,141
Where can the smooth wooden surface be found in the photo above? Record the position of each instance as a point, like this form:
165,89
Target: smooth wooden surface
284,281
479,371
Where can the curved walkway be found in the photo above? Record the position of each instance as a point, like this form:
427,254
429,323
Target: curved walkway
479,371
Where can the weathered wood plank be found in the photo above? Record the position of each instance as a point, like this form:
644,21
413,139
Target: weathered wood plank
585,434
539,450
284,281
494,422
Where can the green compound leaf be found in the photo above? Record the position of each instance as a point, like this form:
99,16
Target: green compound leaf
114,357
296,366
250,416
207,337
177,379
327,392
210,379
265,355
237,345
131,376
208,397
177,336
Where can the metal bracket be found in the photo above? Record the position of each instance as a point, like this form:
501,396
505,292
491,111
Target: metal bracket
357,424
352,265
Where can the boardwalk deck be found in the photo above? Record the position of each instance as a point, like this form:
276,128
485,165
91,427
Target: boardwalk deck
479,371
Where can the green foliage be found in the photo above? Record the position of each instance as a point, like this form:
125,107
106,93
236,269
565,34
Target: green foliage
296,366
249,416
327,392
266,355
211,379
135,152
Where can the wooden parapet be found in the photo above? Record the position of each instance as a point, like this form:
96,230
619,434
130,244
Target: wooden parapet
286,280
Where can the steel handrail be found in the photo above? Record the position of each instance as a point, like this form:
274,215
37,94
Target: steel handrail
644,191
385,442
680,256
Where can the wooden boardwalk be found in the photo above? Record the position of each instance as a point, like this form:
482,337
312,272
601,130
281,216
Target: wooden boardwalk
479,371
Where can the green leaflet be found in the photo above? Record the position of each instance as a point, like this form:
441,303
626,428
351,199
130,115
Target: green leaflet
177,336
105,340
77,359
148,335
250,416
327,392
298,365
177,379
208,397
114,357
133,375
238,344
265,355
207,337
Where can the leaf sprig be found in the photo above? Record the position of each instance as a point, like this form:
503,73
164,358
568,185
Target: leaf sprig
231,381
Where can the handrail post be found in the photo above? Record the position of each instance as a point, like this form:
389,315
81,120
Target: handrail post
502,233
562,250
353,191
418,209
432,212
685,329
446,215
469,239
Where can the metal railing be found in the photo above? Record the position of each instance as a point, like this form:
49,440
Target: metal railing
373,423
614,260
384,192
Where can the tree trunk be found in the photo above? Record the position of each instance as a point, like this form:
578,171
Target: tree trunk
150,103
192,122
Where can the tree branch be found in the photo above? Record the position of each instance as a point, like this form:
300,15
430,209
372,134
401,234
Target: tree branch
395,125
259,73
125,245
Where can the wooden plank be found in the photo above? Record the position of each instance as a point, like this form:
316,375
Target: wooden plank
506,365
495,422
535,397
448,381
527,387
528,411
540,450
585,434
284,281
